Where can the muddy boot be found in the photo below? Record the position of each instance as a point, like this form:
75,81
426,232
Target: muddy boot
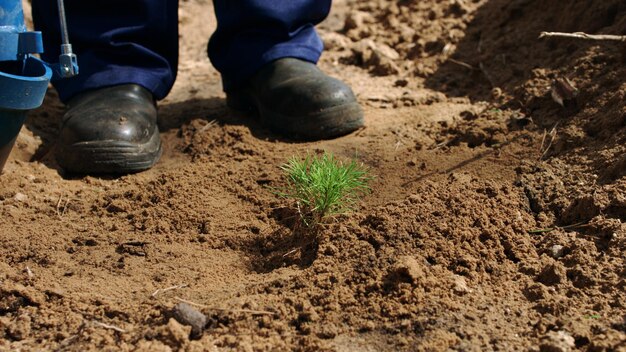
110,130
296,99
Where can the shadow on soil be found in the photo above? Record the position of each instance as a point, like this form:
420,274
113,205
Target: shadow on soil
501,44
44,123
502,47
506,58
175,115
290,244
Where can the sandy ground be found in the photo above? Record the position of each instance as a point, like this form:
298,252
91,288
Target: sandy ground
472,156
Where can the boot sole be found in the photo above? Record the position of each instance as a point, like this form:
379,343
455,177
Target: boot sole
109,157
329,123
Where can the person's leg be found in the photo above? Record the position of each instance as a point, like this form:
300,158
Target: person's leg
127,53
116,41
266,51
253,33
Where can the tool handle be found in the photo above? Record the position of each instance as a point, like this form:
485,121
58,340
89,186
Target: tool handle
68,64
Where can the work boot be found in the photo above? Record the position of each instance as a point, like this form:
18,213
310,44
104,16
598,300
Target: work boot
294,98
110,130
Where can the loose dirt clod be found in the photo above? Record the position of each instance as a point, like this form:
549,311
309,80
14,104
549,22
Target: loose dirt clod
557,341
174,334
407,269
552,274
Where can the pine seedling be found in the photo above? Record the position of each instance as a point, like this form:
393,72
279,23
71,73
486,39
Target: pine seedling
323,186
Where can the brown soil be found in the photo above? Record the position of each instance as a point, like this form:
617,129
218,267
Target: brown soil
470,154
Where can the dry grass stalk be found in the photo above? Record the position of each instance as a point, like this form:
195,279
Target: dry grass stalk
585,36
552,135
107,326
461,63
162,290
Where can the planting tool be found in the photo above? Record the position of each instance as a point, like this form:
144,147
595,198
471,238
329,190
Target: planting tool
24,78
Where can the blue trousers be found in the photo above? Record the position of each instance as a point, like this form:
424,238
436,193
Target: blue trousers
136,41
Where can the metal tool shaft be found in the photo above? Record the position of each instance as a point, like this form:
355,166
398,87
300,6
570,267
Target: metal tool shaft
64,34
68,66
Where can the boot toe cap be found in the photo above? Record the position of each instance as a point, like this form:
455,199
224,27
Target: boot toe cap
112,130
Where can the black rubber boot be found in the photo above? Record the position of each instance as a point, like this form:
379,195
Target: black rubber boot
294,98
110,130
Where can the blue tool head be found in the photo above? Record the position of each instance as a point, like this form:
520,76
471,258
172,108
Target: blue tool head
23,78
15,41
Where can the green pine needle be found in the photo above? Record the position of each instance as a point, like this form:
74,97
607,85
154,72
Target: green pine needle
323,186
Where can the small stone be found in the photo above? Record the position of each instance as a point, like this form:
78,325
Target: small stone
557,341
557,251
460,285
20,197
188,315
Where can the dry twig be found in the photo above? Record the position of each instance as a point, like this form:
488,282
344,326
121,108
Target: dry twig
61,211
107,326
59,205
461,63
543,139
581,35
552,135
291,252
161,290
67,201
208,125
550,229
249,311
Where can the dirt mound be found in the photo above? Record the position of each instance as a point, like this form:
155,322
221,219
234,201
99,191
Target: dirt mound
496,221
